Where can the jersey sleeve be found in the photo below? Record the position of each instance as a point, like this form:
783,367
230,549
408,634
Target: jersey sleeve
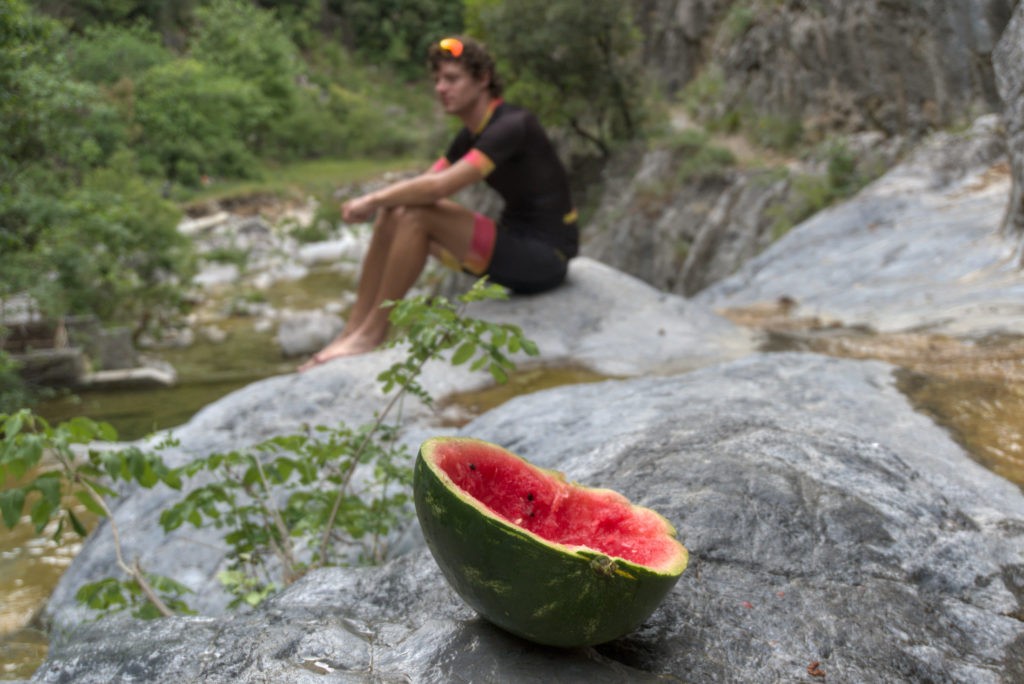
498,143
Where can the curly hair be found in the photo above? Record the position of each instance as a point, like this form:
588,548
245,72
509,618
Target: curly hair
474,58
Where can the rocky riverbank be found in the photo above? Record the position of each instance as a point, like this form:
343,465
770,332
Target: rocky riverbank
832,528
835,531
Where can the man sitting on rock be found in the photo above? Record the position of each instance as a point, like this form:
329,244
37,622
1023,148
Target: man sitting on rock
527,249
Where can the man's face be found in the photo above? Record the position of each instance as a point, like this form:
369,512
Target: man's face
456,89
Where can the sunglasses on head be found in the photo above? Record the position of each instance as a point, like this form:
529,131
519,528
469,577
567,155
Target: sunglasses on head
451,45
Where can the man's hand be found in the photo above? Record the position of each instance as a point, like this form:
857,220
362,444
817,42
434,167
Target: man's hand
358,210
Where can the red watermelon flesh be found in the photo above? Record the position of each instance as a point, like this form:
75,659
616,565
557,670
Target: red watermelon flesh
542,502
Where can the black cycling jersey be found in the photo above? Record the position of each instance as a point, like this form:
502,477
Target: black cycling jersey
521,164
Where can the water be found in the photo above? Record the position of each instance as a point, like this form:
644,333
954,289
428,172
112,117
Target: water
973,388
30,566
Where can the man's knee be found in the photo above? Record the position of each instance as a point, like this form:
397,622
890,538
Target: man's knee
390,219
398,221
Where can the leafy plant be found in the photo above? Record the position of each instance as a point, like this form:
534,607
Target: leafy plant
286,505
51,470
109,53
341,488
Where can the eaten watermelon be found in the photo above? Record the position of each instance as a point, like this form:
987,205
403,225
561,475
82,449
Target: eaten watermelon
551,561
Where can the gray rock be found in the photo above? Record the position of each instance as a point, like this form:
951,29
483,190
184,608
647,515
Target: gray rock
306,332
827,521
920,248
832,65
600,319
1008,59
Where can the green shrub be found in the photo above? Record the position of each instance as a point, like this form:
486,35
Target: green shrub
194,120
810,194
242,40
106,54
699,158
774,131
117,252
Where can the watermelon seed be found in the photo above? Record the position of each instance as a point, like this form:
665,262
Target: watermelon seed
529,497
472,466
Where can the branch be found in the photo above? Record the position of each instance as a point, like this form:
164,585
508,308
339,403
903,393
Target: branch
347,477
286,552
134,570
575,125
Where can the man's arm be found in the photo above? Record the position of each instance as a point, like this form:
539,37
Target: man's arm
427,188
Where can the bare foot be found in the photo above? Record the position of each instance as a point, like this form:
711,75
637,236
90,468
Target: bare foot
348,345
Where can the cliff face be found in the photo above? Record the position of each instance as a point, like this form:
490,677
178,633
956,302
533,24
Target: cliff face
1009,64
871,77
899,67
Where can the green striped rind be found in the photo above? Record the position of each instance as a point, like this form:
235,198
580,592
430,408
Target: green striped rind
545,592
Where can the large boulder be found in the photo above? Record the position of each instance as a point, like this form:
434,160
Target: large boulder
918,249
602,320
832,529
1009,65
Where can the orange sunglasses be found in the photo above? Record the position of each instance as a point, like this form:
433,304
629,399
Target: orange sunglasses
452,46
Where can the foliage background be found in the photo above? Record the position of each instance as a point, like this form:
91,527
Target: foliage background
117,112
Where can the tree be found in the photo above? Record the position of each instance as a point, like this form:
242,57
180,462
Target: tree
194,119
81,230
52,130
117,252
574,62
249,44
397,32
108,54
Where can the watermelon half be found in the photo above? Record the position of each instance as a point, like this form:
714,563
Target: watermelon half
551,561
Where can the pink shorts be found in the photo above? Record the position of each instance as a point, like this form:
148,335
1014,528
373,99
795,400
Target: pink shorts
481,248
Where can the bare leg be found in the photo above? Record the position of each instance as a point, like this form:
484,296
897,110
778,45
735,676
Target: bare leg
402,240
384,230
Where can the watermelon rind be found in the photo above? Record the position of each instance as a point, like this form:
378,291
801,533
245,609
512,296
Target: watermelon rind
542,591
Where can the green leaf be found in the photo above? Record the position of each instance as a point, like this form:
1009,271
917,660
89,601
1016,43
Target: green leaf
106,594
13,425
77,525
12,501
49,485
87,500
463,353
499,375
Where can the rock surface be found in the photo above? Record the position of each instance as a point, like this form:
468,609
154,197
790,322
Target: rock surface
832,528
918,249
833,65
828,523
599,319
1009,65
